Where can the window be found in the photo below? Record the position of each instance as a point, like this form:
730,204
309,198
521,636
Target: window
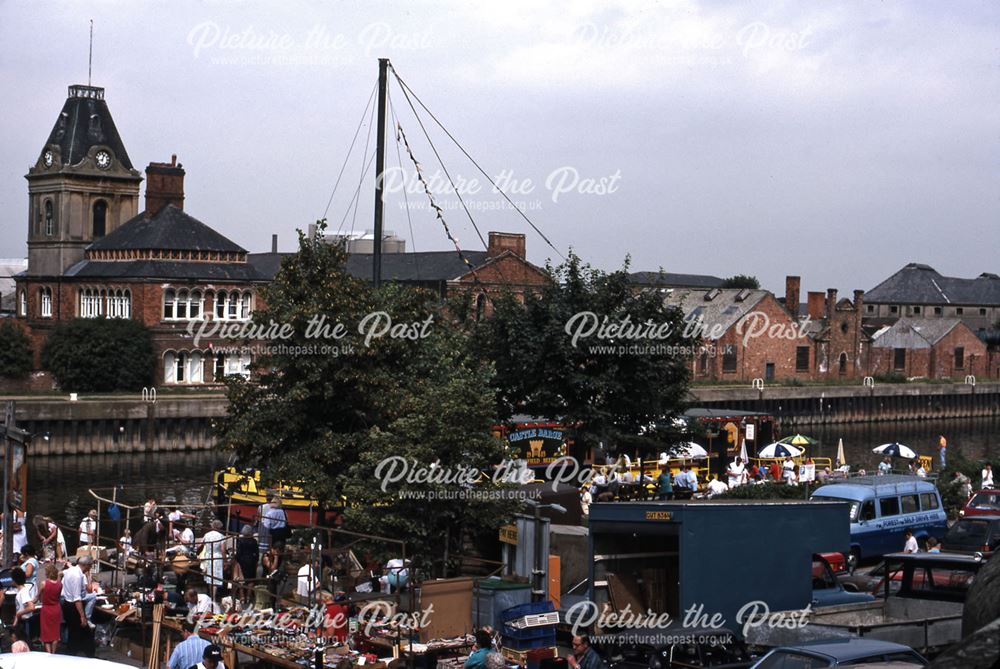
220,304
769,371
871,308
50,225
180,367
232,305
100,218
119,303
729,358
928,501
22,304
959,311
182,305
703,362
937,311
867,511
888,506
959,357
90,303
910,503
194,368
45,298
480,306
169,299
982,312
245,306
899,359
916,310
894,309
842,363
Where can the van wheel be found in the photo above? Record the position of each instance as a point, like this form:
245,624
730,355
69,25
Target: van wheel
853,559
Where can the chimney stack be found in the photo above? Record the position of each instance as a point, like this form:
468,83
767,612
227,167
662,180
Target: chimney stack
506,241
792,285
831,303
815,305
274,243
164,185
859,300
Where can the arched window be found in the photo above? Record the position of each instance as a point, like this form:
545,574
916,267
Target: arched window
843,363
22,304
182,305
245,306
127,303
180,368
169,298
90,303
45,299
50,224
194,368
480,306
100,218
220,304
195,305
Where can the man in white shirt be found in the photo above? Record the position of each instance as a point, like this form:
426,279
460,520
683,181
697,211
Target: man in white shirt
88,529
988,476
307,582
199,604
74,591
716,487
911,543
788,470
736,471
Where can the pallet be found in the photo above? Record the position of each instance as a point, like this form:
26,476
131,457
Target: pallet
521,657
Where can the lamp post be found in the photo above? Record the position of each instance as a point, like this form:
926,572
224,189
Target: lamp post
539,572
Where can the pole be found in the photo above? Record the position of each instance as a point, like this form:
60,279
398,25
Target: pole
536,595
383,67
8,538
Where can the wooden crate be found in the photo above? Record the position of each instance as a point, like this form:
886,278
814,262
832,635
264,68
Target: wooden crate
521,657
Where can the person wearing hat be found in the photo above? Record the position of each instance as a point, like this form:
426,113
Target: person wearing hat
88,529
211,658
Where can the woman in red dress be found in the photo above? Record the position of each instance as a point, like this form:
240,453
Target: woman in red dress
48,594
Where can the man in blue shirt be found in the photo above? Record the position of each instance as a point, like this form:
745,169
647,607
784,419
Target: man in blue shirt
484,644
189,652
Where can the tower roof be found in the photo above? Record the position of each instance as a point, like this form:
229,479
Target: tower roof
169,229
84,122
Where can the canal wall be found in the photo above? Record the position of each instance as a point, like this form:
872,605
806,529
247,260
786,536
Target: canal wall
810,405
120,425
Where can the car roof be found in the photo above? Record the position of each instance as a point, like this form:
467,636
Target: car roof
848,649
943,559
36,660
989,517
865,487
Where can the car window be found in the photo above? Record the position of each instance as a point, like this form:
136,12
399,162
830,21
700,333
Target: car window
867,511
910,503
787,659
968,531
928,501
822,578
906,656
985,500
888,506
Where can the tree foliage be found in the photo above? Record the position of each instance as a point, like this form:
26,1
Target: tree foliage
15,352
610,385
741,281
100,355
328,419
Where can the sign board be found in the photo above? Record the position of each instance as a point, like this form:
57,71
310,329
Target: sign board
538,446
508,534
751,430
807,472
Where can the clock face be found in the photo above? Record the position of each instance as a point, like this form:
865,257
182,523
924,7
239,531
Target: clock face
103,159
47,158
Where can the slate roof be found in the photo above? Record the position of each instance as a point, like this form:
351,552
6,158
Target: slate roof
673,280
9,268
913,333
170,229
76,134
724,310
424,266
921,284
165,269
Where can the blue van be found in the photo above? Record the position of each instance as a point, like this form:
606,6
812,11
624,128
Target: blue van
883,507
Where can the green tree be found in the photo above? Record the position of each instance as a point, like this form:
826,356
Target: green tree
100,355
612,387
741,281
329,420
15,352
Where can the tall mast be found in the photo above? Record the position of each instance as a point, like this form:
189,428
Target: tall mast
383,67
90,55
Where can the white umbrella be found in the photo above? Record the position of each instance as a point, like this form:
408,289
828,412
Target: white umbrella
743,452
841,460
689,450
779,450
896,450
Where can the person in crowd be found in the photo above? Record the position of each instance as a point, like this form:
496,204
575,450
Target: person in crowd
337,615
183,538
964,485
149,510
29,563
775,471
51,616
788,471
211,658
885,467
716,487
911,545
212,556
482,648
987,476
24,617
664,484
737,472
307,582
273,523
933,546
274,568
189,651
586,499
88,529
247,553
148,538
20,647
53,542
19,530
584,657
395,575
199,604
823,475
943,452
80,636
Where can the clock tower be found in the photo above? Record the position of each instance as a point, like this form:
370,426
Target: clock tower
81,187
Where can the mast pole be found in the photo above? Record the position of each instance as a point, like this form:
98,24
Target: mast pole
90,55
383,67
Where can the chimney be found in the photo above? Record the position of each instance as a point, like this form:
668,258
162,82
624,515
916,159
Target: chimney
506,241
815,303
859,300
792,284
274,243
164,185
831,303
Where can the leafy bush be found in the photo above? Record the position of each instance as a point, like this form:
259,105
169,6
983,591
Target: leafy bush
15,352
890,377
765,491
100,355
951,496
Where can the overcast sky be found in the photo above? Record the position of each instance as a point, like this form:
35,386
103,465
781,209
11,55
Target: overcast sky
833,142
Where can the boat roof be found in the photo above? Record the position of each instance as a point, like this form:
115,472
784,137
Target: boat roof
848,649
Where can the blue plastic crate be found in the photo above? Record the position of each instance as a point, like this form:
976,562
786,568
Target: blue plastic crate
544,641
509,632
522,610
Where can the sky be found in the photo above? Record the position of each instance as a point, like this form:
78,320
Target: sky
834,141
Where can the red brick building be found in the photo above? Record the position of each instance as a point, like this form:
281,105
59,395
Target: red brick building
943,348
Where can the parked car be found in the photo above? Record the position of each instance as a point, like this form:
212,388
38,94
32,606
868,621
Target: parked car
827,590
680,647
882,508
838,653
982,503
969,535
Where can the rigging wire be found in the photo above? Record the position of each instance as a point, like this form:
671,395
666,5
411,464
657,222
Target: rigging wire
364,170
406,89
406,200
361,122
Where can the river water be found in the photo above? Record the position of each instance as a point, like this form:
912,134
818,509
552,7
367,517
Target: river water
58,485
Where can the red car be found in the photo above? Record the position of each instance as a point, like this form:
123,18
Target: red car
982,503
